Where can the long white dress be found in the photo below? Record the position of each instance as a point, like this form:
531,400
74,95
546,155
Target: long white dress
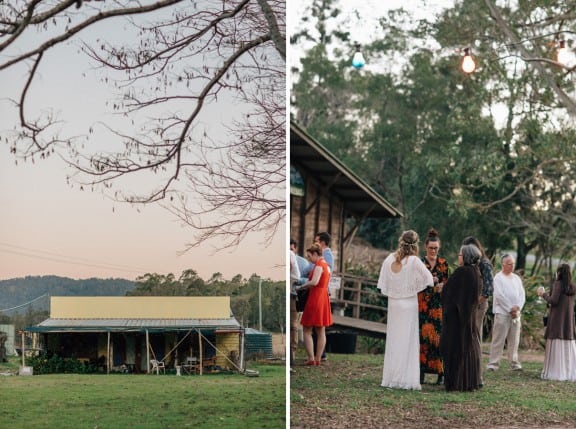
560,360
401,357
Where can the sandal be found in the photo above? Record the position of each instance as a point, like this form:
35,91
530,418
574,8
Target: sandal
310,363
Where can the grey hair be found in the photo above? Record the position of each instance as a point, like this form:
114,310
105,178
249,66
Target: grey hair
470,254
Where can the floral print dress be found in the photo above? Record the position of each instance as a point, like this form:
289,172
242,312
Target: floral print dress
430,319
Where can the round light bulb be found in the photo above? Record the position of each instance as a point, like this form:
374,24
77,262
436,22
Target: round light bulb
468,64
358,60
563,55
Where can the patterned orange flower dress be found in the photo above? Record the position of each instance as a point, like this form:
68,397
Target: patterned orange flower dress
430,320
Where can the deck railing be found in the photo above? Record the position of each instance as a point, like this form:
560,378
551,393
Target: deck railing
359,298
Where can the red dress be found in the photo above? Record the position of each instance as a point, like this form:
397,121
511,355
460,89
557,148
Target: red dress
317,311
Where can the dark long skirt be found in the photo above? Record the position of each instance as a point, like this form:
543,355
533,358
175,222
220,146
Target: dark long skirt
459,342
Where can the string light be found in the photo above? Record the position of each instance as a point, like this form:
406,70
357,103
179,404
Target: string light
468,64
358,60
563,55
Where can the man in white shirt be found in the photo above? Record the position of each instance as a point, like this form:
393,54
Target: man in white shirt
509,298
294,279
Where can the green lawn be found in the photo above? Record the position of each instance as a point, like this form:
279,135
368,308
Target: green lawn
123,401
346,393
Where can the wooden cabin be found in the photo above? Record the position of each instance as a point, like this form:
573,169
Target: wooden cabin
127,333
326,196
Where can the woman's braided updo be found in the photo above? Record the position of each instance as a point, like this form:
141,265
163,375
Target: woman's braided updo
407,245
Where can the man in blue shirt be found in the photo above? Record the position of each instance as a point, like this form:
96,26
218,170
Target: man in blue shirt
323,239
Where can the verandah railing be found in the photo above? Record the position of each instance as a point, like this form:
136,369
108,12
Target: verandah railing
359,298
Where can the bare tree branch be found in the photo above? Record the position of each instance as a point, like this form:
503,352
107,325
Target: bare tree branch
566,101
185,59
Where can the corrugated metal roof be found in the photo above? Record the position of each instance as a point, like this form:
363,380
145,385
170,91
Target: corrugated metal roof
252,331
70,325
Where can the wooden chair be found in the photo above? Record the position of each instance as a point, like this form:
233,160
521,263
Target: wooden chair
208,363
157,366
192,366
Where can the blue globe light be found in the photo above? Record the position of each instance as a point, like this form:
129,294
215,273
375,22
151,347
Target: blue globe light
358,60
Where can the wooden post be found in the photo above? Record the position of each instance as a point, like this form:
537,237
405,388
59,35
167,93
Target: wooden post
242,350
260,303
200,348
23,348
147,353
108,355
357,298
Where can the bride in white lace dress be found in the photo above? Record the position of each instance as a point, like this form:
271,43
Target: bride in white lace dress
402,276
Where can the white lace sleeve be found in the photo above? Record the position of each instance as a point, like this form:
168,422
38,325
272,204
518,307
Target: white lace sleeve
384,278
413,278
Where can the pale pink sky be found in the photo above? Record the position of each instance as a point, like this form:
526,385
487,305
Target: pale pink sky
48,227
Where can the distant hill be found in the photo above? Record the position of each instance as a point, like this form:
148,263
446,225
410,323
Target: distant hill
16,292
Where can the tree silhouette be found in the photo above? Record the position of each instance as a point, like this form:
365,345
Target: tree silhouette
177,59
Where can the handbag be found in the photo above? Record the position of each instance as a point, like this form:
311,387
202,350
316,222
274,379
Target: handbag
301,299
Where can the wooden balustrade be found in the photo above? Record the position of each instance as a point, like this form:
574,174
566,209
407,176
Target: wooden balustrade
358,297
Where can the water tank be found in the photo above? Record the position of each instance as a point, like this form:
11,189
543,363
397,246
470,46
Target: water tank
257,344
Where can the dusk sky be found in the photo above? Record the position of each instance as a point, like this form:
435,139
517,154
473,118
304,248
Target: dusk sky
48,227
361,18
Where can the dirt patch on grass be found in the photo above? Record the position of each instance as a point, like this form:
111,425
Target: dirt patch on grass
531,356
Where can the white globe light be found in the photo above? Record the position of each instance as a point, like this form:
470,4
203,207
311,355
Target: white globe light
468,64
564,56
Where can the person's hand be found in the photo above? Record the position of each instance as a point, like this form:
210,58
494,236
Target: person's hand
540,290
482,299
439,287
514,312
435,280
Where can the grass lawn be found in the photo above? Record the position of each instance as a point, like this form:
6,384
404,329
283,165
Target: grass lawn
346,393
125,401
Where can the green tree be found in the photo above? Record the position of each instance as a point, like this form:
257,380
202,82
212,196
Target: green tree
194,284
243,294
485,154
158,285
532,155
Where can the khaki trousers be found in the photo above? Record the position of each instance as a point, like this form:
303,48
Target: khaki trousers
293,329
505,331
